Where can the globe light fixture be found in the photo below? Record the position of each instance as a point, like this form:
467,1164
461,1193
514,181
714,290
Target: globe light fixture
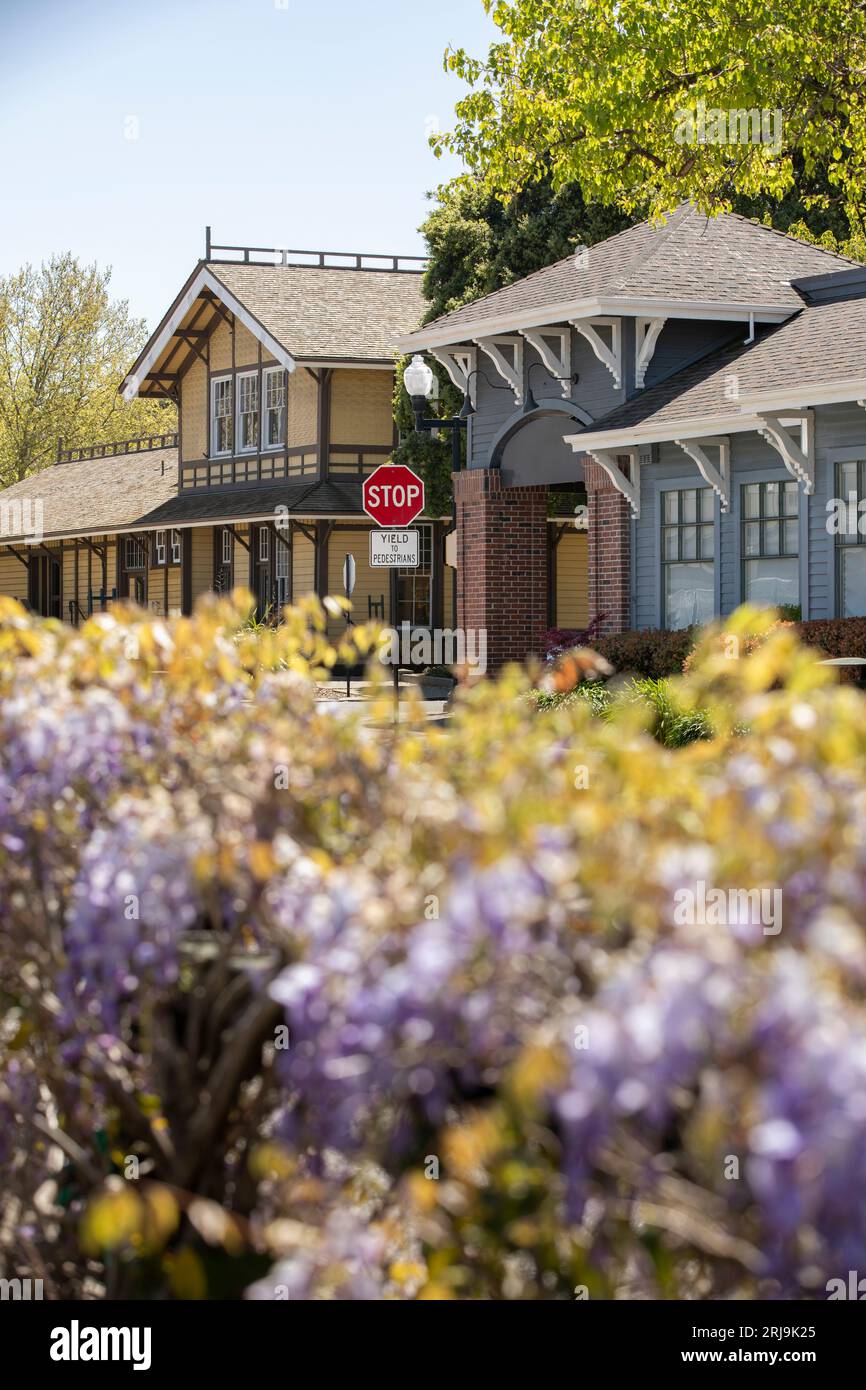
418,379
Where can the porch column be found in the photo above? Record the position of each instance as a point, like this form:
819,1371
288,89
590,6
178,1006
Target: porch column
501,563
609,551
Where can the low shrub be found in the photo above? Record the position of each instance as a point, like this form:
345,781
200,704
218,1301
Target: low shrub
653,653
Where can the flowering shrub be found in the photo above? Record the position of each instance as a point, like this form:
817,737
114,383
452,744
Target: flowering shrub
297,1004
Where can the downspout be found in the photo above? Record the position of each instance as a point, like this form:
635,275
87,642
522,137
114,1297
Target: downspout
751,337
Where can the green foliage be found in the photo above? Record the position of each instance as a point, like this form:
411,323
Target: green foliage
64,349
596,93
670,723
431,460
477,243
652,652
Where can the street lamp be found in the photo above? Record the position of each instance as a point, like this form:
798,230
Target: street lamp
418,380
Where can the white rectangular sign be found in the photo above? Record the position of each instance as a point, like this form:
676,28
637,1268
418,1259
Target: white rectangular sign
394,549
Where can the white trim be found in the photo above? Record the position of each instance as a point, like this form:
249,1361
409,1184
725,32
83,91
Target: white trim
646,335
800,397
719,479
159,551
611,356
264,544
621,439
176,550
204,280
799,459
559,367
214,452
630,490
459,364
566,311
511,372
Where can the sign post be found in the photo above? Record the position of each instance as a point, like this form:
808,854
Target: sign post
393,496
348,589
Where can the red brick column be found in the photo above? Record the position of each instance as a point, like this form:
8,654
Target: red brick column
609,551
501,563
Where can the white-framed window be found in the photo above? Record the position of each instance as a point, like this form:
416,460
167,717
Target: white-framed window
248,412
222,420
415,586
688,556
136,556
274,418
264,543
770,543
282,571
160,548
175,547
228,546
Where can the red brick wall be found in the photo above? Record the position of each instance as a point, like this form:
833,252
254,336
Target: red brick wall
609,551
501,563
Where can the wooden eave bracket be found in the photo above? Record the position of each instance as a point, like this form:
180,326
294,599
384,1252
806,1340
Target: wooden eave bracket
798,458
718,477
630,490
610,356
646,336
459,363
557,361
511,372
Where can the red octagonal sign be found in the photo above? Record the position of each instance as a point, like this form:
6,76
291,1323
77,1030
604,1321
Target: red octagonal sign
393,495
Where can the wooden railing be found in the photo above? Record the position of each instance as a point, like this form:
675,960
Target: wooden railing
334,260
298,462
118,446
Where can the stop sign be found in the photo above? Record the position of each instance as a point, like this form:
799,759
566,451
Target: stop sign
393,495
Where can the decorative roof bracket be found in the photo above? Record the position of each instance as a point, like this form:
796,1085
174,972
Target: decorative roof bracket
646,336
511,372
719,478
459,363
610,356
558,365
799,459
610,463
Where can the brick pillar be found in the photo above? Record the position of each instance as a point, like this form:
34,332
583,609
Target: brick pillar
501,563
609,551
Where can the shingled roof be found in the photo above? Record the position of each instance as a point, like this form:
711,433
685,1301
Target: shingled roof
259,501
93,496
689,260
329,313
818,355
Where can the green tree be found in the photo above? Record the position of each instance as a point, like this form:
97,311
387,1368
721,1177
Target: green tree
64,348
600,92
477,242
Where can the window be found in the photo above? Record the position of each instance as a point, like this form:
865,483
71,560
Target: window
415,586
175,547
688,556
264,543
135,556
160,549
274,424
222,431
248,412
770,530
282,568
850,545
228,547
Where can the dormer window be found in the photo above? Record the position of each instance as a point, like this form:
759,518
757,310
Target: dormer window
274,422
222,422
248,412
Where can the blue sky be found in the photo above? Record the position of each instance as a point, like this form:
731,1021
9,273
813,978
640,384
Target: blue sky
126,127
